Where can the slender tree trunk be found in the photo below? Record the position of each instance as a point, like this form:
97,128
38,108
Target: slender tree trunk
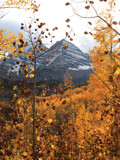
33,107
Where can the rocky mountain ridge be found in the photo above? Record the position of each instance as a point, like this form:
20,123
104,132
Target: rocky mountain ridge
63,56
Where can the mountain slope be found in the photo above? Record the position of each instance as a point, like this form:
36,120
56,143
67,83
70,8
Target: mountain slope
71,59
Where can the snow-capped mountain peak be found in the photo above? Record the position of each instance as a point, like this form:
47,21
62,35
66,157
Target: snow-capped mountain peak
69,58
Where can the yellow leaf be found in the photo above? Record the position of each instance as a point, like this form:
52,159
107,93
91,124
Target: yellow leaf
52,146
31,119
50,120
15,54
38,138
21,50
102,130
33,69
29,53
8,57
31,75
25,154
100,154
14,87
26,67
107,128
33,48
19,101
104,153
117,71
15,95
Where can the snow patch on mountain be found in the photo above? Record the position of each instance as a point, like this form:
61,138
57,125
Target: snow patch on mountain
80,68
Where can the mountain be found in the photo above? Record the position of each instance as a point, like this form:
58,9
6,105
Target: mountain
66,57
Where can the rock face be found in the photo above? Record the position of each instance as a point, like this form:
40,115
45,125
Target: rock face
71,59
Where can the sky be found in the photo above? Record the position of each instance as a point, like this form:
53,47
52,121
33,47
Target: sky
54,13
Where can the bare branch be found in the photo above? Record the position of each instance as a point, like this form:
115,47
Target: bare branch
4,15
108,25
74,10
96,16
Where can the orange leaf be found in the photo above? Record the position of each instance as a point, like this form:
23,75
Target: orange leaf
24,154
87,7
67,4
55,28
114,22
85,32
67,20
71,39
65,46
47,61
89,23
14,87
53,52
91,2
